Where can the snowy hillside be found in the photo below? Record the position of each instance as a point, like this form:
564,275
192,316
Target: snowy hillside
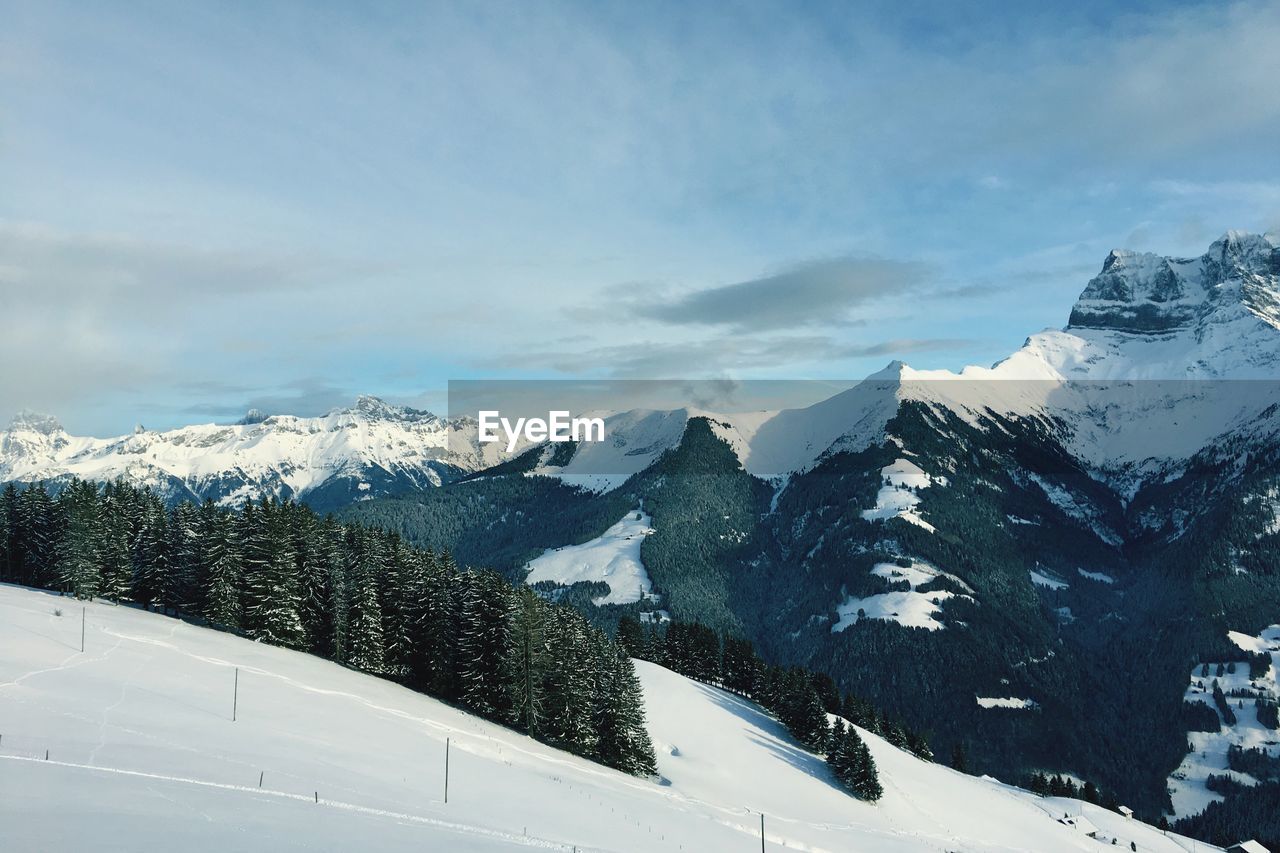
612,558
134,739
349,454
1243,693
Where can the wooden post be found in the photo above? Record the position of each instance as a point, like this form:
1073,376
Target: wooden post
260,775
761,832
235,696
82,617
446,770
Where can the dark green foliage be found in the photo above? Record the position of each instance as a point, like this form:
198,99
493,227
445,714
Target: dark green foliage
1199,717
1249,812
1258,763
1269,714
1224,707
354,594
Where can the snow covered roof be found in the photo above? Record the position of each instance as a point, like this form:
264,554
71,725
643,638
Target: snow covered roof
1249,846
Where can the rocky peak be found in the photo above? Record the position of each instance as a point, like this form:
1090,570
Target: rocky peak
1145,293
35,422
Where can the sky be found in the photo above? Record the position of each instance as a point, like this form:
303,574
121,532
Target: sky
207,207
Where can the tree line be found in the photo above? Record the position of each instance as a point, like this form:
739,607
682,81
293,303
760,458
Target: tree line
277,573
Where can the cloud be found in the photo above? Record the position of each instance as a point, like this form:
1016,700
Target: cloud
815,293
728,354
306,397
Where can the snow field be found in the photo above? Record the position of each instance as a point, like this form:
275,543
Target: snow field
909,608
143,751
612,557
1208,755
899,495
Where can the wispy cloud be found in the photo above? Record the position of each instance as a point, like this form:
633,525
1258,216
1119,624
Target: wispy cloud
731,354
818,293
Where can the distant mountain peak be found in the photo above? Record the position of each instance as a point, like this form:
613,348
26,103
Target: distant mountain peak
1145,293
35,422
253,416
376,407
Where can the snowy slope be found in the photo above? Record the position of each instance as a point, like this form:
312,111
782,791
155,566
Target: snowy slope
613,557
1208,755
142,751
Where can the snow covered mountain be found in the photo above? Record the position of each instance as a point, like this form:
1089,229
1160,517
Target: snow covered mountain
1201,335
356,453
1151,339
982,551
134,738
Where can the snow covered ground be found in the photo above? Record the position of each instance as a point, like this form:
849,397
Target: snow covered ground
1042,579
1011,702
910,608
143,753
613,557
1208,755
899,495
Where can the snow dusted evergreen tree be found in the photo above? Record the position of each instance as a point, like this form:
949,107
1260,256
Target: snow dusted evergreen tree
484,636
113,551
866,779
147,552
181,581
433,628
399,576
568,719
37,540
366,649
271,594
853,766
622,740
223,570
77,551
321,578
527,660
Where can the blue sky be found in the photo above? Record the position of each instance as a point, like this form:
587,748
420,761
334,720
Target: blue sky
205,207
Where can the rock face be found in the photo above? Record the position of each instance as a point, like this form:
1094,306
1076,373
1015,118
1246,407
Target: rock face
1149,294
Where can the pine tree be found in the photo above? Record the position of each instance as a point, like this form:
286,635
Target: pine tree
365,646
623,741
178,591
433,619
526,662
77,550
115,567
866,779
630,636
740,666
484,638
271,595
37,542
568,718
147,552
222,569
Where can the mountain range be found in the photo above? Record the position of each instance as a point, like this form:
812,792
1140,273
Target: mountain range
1030,561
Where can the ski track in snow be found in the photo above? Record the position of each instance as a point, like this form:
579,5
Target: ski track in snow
469,829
